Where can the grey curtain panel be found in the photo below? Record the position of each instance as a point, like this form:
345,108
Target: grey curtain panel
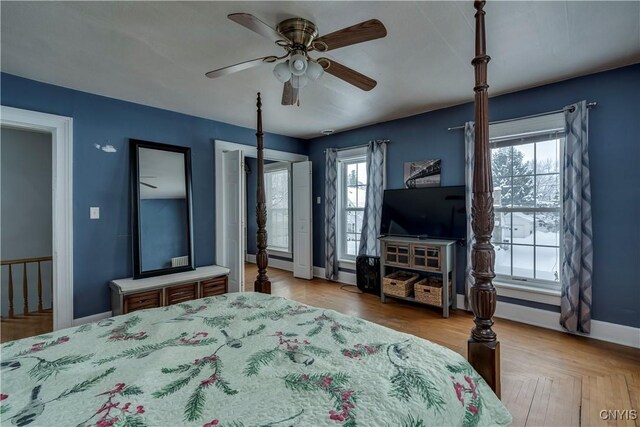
577,236
469,136
369,244
330,209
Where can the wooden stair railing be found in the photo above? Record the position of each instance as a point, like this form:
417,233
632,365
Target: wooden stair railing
25,283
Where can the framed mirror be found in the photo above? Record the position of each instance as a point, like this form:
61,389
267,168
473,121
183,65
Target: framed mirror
161,220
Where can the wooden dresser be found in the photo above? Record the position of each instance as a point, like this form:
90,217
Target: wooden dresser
129,295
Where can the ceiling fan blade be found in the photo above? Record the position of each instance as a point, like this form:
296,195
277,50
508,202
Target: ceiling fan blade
148,185
239,67
249,21
347,74
289,94
362,32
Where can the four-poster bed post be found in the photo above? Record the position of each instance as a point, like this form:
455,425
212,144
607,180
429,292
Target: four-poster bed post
483,346
262,283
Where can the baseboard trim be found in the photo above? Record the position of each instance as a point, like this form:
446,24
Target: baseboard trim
343,276
602,331
275,263
92,318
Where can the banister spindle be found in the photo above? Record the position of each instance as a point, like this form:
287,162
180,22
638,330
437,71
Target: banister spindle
39,288
10,292
25,290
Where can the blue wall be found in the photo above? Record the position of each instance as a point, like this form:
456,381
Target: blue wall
163,232
614,131
102,248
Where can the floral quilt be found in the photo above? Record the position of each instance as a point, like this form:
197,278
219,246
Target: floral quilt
239,360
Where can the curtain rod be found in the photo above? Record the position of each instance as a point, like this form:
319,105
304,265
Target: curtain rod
358,146
589,106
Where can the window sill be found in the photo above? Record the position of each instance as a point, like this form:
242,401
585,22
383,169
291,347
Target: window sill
528,293
279,253
347,264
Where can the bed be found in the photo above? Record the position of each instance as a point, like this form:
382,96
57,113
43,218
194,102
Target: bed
240,360
256,360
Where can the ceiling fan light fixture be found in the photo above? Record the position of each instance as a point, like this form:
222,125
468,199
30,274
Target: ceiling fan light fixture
298,82
314,70
282,72
298,64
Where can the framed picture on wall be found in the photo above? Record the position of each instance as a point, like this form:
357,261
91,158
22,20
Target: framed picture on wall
423,173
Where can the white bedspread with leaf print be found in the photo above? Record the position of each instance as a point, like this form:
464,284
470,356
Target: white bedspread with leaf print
239,360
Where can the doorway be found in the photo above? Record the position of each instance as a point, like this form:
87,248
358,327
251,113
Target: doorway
37,223
26,241
236,186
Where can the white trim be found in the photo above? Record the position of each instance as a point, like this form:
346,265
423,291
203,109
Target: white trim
346,263
92,318
602,331
248,151
343,276
61,129
275,263
528,293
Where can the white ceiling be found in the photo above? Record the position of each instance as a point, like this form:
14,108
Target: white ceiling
156,53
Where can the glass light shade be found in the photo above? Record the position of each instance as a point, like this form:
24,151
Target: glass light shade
298,82
314,70
281,71
298,64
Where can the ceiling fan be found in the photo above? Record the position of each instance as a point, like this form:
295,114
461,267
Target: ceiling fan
298,37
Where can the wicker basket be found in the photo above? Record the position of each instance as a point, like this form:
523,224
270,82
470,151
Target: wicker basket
399,284
429,291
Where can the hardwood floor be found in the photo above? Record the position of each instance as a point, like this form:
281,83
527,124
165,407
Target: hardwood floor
549,378
26,326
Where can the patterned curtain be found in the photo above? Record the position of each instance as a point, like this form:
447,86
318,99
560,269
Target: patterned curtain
469,137
577,237
369,244
330,204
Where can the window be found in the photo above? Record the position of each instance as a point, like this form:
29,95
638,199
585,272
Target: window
277,183
352,191
526,163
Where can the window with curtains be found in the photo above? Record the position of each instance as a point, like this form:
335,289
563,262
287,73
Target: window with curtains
352,191
277,184
526,160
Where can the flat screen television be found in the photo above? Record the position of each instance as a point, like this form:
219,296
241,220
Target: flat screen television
432,212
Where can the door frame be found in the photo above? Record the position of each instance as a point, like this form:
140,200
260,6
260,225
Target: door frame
247,151
61,130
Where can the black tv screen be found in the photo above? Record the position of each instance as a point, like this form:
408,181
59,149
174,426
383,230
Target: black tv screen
433,212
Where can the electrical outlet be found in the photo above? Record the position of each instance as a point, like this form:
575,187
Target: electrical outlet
318,201
94,213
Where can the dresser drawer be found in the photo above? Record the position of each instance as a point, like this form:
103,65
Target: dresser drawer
182,293
142,300
213,287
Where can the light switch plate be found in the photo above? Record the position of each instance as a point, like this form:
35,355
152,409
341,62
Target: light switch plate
94,213
318,200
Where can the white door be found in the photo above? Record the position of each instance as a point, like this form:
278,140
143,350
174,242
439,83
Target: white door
233,218
302,229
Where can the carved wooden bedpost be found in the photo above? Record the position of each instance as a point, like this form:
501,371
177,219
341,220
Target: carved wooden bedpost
483,345
262,283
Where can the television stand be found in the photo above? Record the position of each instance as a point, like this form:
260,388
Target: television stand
425,257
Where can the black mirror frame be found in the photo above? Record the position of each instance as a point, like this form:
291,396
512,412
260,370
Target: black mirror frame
134,166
